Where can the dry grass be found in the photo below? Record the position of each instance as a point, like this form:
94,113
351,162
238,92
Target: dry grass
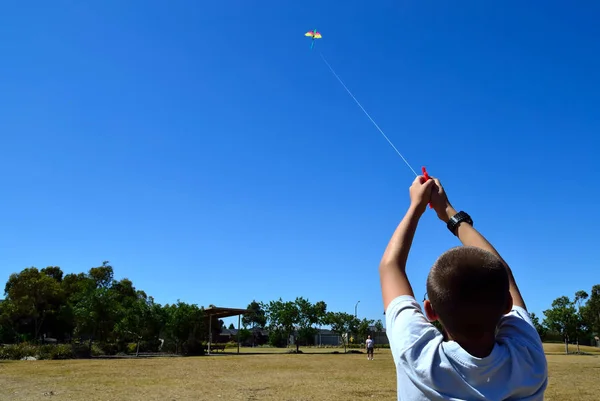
268,376
559,349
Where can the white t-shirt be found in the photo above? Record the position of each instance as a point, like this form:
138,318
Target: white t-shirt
430,369
369,343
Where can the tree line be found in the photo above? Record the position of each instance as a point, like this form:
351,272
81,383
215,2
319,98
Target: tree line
573,320
94,308
300,318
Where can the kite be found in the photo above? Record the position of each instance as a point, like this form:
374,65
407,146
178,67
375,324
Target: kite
314,35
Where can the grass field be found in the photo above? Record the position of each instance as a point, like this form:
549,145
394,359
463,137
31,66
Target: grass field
270,375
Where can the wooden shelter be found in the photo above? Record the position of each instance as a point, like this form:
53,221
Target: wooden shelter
219,312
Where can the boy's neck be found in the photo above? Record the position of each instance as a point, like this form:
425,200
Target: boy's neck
478,348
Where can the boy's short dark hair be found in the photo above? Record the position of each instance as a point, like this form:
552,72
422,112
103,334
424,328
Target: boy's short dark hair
468,288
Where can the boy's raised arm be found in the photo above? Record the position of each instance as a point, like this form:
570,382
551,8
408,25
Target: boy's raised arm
392,268
469,236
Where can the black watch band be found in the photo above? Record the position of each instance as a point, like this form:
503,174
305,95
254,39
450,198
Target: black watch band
460,217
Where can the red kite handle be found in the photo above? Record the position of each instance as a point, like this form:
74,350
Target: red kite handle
426,179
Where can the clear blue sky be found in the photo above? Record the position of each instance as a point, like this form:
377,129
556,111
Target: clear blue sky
211,157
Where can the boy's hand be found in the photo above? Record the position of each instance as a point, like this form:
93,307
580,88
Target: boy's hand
440,202
420,193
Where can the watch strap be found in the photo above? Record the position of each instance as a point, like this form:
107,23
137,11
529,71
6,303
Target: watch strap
458,218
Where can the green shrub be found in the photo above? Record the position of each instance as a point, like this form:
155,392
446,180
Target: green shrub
17,351
45,351
145,346
109,348
82,350
193,348
169,346
149,346
277,339
96,350
6,351
28,350
131,348
62,351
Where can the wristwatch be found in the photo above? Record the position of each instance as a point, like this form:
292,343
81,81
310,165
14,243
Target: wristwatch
460,217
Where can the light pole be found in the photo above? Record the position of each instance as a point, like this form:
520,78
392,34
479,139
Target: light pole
355,306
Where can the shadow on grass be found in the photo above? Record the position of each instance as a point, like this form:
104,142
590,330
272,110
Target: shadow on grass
284,352
573,354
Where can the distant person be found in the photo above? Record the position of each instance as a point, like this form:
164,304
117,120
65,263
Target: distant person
369,343
491,350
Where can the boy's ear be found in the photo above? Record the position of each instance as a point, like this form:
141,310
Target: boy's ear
429,312
509,304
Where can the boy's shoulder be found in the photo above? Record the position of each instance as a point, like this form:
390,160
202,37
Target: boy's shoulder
405,316
431,366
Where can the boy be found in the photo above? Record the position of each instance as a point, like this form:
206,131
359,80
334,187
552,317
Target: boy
369,344
490,349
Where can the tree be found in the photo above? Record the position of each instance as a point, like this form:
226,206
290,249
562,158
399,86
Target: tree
142,319
538,326
96,314
592,310
562,318
53,271
95,307
282,317
103,275
216,326
580,325
378,327
99,303
9,331
321,311
231,326
185,326
243,335
341,323
74,287
363,329
308,316
132,323
257,318
125,291
33,297
155,326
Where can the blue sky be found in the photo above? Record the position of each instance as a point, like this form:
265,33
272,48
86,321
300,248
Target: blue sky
211,157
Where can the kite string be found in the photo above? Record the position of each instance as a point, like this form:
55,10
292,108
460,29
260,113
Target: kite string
367,114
